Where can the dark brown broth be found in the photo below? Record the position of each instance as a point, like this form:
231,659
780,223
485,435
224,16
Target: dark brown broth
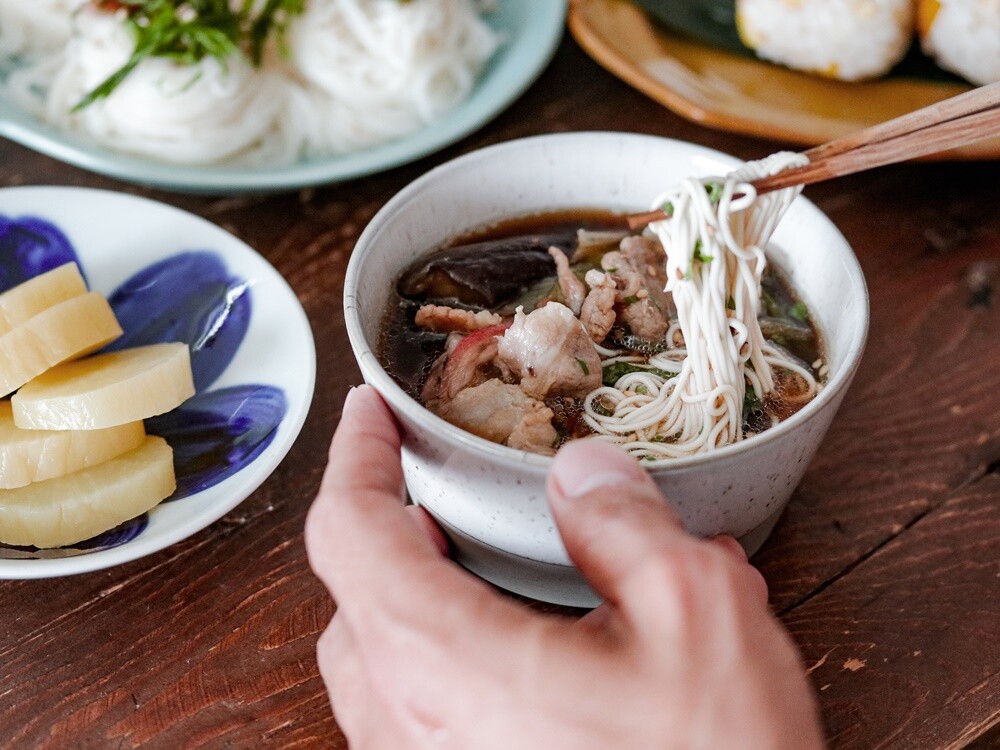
407,352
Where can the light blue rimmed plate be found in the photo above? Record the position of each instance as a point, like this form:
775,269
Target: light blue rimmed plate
172,276
530,30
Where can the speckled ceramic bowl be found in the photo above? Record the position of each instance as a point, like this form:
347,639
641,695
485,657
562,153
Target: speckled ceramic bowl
489,498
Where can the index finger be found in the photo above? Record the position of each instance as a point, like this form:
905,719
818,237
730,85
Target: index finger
361,543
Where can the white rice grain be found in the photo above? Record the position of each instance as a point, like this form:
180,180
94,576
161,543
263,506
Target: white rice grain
844,39
963,36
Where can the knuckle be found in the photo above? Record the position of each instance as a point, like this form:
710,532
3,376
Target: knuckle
684,574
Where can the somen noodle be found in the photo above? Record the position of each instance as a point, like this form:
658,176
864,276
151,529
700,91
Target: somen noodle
343,75
377,70
715,262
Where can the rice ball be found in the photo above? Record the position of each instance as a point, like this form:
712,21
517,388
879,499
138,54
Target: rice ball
963,36
844,39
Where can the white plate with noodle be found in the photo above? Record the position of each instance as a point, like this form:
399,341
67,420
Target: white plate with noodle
528,34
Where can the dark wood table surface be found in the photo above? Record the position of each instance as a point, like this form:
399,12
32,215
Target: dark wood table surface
886,566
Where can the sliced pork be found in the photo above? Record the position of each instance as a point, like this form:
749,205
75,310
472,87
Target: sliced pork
551,352
444,319
598,310
572,288
503,413
639,273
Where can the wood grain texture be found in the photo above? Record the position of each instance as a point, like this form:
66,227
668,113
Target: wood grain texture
889,547
913,627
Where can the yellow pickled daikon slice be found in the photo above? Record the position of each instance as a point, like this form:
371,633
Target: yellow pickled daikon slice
69,329
26,300
78,506
106,389
28,456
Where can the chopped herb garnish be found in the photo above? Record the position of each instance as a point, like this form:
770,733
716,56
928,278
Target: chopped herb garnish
272,19
601,409
612,270
668,208
630,300
658,439
583,366
730,304
617,370
714,190
770,305
642,390
799,311
188,31
698,246
750,402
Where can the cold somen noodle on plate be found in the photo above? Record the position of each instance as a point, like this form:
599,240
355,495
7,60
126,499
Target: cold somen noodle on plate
243,83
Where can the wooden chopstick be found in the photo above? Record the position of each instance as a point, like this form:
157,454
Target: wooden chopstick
957,121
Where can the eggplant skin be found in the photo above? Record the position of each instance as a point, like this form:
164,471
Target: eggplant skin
484,274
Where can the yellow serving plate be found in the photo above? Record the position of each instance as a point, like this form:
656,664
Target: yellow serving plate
724,90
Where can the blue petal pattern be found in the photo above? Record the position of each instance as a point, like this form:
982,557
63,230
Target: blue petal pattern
189,297
28,247
115,537
216,434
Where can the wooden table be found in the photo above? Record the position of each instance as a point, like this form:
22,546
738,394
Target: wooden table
886,566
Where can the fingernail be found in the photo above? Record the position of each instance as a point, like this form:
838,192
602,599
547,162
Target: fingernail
352,395
584,466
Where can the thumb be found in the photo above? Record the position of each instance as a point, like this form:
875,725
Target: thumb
611,517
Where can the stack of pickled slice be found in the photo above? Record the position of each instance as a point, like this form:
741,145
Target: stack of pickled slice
75,459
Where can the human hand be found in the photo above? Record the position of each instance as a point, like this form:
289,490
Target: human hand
684,652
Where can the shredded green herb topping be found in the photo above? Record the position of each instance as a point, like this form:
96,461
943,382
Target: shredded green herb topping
714,190
188,31
799,311
617,370
698,255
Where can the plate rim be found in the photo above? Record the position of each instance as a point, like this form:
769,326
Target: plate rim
607,55
511,76
266,463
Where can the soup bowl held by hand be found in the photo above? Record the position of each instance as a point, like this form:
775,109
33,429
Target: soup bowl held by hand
489,498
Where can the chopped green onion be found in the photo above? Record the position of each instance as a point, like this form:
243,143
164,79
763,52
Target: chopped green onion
698,255
614,372
188,31
714,190
799,311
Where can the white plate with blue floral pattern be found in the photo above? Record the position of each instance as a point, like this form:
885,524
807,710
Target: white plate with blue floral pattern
172,276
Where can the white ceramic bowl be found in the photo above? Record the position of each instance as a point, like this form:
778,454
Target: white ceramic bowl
489,498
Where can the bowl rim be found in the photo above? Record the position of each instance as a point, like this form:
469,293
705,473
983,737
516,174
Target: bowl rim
376,375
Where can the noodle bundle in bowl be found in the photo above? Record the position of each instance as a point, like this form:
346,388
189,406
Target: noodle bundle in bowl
706,360
693,397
